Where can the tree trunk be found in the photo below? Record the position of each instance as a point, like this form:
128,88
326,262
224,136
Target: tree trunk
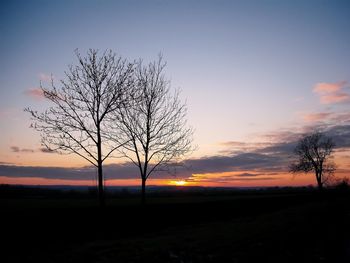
101,194
319,181
143,191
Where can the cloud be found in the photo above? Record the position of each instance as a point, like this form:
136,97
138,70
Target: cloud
17,149
325,88
212,164
275,155
261,163
255,161
332,93
341,135
210,178
339,97
234,144
315,117
47,172
264,160
340,118
34,93
45,150
27,150
45,77
239,147
248,175
280,136
7,163
111,171
326,119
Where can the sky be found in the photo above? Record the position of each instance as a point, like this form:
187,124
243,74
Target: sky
255,75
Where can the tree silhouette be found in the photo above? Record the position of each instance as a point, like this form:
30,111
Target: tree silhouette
313,153
153,124
78,120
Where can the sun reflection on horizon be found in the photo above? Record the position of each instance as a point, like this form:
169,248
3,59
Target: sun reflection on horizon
178,183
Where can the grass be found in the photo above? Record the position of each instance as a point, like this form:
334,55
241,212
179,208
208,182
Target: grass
269,227
288,235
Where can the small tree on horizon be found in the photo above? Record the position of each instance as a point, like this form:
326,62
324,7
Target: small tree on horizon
78,120
314,153
154,124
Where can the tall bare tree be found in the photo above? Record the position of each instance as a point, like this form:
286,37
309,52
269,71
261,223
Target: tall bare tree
77,120
313,153
154,123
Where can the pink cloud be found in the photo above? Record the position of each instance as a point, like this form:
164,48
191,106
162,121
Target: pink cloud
337,97
34,93
329,117
314,117
331,93
329,87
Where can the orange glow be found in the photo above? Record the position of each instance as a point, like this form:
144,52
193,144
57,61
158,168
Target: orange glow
112,182
205,180
233,179
178,183
244,178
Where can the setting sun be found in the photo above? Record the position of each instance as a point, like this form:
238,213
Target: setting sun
178,183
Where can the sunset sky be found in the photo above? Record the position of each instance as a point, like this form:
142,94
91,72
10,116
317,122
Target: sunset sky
255,76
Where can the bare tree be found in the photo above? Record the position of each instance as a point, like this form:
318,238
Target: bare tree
77,121
154,124
313,153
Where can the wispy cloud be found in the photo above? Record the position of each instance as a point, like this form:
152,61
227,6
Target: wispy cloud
249,174
16,149
45,77
340,133
45,150
328,118
331,93
341,118
224,179
111,171
275,154
34,93
239,147
5,163
236,162
47,172
315,117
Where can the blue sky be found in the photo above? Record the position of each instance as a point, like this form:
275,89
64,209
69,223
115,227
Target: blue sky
245,68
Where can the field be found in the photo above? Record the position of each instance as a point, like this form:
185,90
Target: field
274,225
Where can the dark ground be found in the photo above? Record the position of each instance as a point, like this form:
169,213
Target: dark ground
300,225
